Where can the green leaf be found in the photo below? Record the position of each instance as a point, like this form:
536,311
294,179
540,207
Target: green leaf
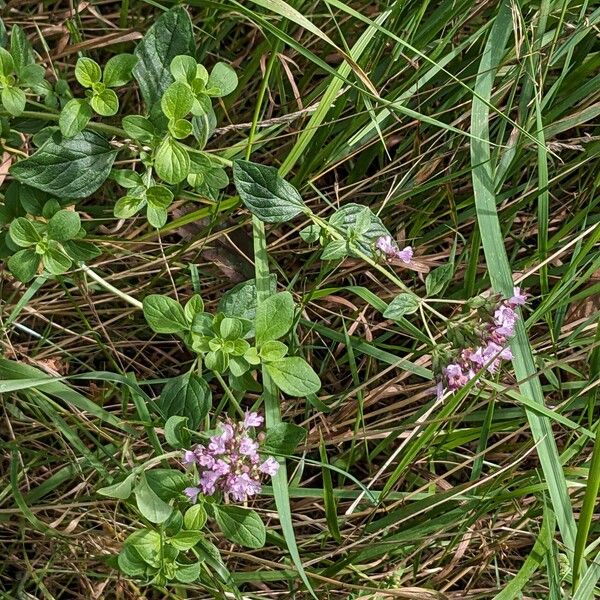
231,328
180,129
131,563
175,432
187,395
164,315
24,264
183,68
195,517
157,217
25,232
274,317
170,36
311,233
194,306
177,100
126,178
283,438
437,280
149,504
13,100
187,573
7,65
294,376
240,525
74,116
105,103
20,50
402,304
33,76
222,80
240,301
172,162
64,225
273,350
139,128
265,193
335,250
147,545
87,72
127,206
121,490
79,250
55,259
70,168
184,540
118,70
159,196
167,483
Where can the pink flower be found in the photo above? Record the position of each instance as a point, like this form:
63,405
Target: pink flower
208,482
242,486
221,467
252,419
387,245
505,318
269,467
248,446
518,298
192,493
189,458
405,255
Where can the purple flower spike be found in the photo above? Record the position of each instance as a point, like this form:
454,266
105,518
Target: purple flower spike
231,464
405,255
518,298
189,458
387,245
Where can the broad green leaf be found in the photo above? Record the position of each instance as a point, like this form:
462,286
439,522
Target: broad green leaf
273,350
177,100
231,328
7,65
187,573
194,306
167,483
147,544
24,264
345,221
180,129
222,80
80,251
294,376
402,304
13,100
172,162
159,196
68,168
131,563
139,128
157,216
149,503
121,490
184,540
240,301
87,72
183,68
240,525
170,36
335,250
20,50
175,432
118,70
187,395
126,178
195,517
274,317
105,103
33,76
74,117
265,193
55,259
25,232
127,206
64,225
437,280
283,438
164,315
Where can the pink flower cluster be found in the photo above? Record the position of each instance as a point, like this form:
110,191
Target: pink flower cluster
230,463
492,350
389,247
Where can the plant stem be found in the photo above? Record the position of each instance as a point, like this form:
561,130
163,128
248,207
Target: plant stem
109,287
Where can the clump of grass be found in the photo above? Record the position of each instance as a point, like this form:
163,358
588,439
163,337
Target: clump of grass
470,132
